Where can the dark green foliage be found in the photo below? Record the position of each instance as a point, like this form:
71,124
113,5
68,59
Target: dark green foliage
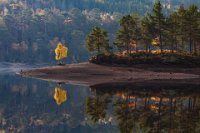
179,32
124,115
182,24
188,27
155,106
192,27
97,41
96,107
126,33
146,32
158,22
164,59
171,31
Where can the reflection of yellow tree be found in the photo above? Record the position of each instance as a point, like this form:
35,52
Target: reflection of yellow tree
60,95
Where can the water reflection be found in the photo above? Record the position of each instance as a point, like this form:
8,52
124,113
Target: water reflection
29,105
97,106
60,95
141,109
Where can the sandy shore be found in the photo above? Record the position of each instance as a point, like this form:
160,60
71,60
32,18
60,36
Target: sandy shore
90,74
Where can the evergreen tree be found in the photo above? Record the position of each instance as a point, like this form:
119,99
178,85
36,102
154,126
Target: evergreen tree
97,40
172,26
192,32
137,29
158,21
126,33
182,24
146,32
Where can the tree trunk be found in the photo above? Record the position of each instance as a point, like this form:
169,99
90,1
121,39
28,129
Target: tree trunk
189,104
175,106
135,102
146,46
195,47
145,103
161,45
176,44
160,34
98,48
172,46
159,113
171,108
149,47
127,49
194,103
182,41
190,43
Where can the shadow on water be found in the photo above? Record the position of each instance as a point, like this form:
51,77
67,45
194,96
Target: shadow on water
29,105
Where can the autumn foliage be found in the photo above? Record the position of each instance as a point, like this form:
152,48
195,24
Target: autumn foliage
61,51
60,95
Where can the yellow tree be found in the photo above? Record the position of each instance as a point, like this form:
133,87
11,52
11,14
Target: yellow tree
61,52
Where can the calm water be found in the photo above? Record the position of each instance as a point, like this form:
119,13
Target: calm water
36,106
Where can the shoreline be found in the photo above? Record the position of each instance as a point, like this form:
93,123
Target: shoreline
90,74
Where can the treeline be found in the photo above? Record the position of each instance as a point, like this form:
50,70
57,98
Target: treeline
28,35
30,30
104,5
178,32
140,6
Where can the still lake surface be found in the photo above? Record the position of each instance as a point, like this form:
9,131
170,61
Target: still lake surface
31,105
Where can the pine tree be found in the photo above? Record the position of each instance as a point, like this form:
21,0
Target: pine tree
192,26
126,33
172,26
146,32
182,24
137,35
97,41
158,20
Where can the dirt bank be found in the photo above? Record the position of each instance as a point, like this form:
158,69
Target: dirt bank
90,74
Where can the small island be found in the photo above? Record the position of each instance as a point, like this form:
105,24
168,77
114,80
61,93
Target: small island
152,47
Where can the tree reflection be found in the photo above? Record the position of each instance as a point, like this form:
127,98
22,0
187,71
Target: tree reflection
126,113
96,106
130,108
149,110
60,95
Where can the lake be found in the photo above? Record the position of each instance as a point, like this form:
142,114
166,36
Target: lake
31,105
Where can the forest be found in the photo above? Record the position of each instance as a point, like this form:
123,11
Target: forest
30,30
153,38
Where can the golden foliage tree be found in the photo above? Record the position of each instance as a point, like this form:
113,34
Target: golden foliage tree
61,51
